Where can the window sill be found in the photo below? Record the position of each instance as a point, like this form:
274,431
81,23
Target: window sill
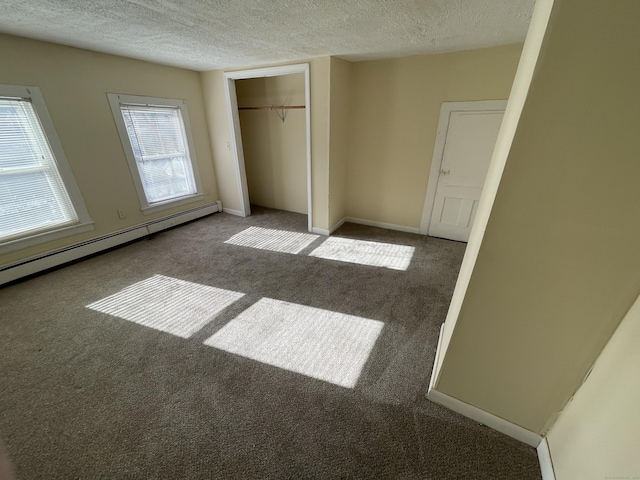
44,237
158,207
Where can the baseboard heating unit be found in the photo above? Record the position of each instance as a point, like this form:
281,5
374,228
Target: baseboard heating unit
54,258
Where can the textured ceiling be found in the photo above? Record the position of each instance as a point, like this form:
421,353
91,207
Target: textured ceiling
214,34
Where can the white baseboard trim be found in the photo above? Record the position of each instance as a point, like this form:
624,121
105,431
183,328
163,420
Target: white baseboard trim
231,211
337,225
53,258
325,232
320,231
546,464
388,226
501,425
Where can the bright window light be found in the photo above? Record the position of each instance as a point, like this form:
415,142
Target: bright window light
167,304
322,344
39,198
274,240
157,141
376,254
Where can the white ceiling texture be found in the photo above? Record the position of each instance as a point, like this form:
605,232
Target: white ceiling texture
215,34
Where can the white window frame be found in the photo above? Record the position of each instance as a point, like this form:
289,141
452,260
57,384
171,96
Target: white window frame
115,101
84,224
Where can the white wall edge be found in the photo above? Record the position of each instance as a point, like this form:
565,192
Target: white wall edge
236,136
337,226
546,464
231,211
436,362
388,226
54,258
499,424
236,145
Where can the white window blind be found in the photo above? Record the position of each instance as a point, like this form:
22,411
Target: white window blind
33,197
160,148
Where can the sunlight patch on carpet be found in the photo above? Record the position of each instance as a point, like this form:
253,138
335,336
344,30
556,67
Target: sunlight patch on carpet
168,304
318,343
375,254
273,240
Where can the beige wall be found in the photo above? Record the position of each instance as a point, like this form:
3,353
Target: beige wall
215,104
339,138
74,84
275,152
598,433
517,98
220,135
395,105
558,265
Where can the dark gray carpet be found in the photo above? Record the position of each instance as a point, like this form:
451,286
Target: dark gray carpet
88,395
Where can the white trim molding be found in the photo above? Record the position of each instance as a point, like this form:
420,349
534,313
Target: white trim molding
84,222
388,226
499,424
236,136
116,101
438,150
337,225
231,211
544,458
320,231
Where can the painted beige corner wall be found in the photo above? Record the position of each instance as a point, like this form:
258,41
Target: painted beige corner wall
558,266
341,71
598,433
74,84
220,135
215,104
395,106
517,98
275,152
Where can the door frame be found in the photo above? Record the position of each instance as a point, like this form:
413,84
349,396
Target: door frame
236,136
438,151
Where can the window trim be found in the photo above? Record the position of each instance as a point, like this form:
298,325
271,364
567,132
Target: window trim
84,223
117,99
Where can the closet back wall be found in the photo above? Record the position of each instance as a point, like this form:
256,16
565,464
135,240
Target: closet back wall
274,151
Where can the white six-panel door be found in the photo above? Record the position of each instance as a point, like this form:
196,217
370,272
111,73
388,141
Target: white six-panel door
469,138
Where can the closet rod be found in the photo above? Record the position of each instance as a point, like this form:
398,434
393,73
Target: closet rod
272,107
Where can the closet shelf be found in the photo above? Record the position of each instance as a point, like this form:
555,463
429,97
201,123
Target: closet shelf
279,109
272,107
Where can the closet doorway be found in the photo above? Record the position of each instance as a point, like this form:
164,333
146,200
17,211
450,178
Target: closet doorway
271,136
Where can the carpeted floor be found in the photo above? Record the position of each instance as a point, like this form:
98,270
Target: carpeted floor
86,394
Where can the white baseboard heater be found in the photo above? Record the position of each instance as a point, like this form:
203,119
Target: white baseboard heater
54,258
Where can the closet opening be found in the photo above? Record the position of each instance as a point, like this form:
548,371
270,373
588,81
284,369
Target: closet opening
270,117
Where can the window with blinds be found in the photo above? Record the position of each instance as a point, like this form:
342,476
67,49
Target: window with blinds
157,142
33,197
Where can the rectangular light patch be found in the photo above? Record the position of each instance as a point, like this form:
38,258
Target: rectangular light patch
375,254
168,304
273,240
322,344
